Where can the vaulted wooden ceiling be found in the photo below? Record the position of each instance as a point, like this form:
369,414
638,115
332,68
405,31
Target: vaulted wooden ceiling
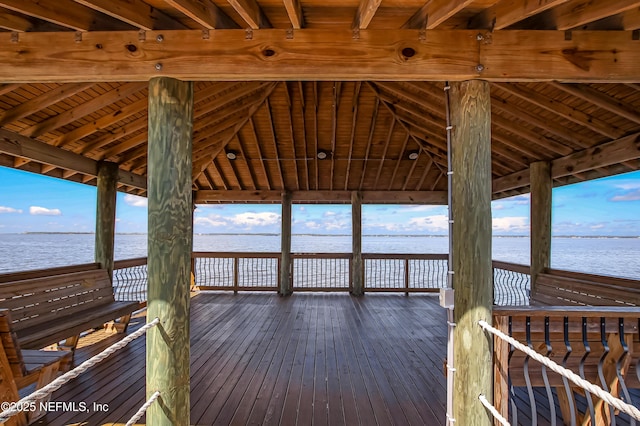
370,129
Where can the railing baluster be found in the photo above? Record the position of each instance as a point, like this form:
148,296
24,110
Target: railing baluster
587,351
527,378
570,401
545,377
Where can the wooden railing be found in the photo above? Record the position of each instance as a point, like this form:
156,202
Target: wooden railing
130,280
236,271
601,344
511,284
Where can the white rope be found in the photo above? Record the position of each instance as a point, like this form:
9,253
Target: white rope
504,422
570,375
72,374
132,421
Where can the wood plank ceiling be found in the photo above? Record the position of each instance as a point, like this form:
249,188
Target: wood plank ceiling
252,140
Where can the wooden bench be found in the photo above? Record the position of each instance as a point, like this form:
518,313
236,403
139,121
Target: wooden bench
47,309
22,368
520,371
563,288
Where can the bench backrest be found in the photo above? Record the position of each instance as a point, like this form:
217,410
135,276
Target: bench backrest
582,289
38,300
10,345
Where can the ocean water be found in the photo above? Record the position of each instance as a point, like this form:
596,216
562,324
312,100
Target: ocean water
605,256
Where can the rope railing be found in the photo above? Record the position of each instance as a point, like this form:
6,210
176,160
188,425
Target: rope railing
483,399
72,374
138,415
565,372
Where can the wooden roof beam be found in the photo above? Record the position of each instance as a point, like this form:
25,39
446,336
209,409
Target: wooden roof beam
607,154
65,13
34,150
365,13
243,159
352,138
135,13
506,13
14,22
254,134
294,10
251,12
205,13
274,139
576,13
609,56
369,197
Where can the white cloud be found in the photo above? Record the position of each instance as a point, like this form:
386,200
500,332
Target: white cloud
631,196
9,210
439,222
629,186
43,211
212,220
510,224
135,200
498,207
256,219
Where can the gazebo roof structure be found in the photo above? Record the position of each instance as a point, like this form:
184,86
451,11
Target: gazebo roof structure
321,98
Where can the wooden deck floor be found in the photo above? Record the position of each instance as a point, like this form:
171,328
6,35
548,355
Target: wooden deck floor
307,359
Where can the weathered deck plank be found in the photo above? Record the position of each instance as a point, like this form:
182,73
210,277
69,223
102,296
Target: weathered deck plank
259,359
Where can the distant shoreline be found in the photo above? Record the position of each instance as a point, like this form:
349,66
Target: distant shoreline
331,235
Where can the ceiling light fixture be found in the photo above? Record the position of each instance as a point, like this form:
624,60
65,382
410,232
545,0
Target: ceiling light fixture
413,155
322,155
231,155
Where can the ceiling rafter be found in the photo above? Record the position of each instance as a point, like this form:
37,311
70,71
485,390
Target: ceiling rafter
506,13
425,172
441,10
205,13
84,109
583,119
399,160
232,175
243,158
38,103
289,118
372,128
601,100
216,147
354,122
366,11
135,13
302,111
315,133
576,13
251,12
209,179
218,173
273,138
337,91
294,10
387,141
252,127
66,13
14,22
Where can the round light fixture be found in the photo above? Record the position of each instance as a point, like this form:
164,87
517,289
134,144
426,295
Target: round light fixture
231,155
413,155
322,155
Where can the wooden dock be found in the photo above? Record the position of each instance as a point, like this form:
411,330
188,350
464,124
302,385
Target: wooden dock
310,358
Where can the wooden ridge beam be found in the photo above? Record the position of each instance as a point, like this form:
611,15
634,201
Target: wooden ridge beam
319,196
205,13
608,56
607,154
15,144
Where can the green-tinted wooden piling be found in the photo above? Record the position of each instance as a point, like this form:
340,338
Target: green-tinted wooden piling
169,251
357,285
541,186
473,277
107,186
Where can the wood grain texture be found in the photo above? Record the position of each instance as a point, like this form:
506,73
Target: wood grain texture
541,186
170,245
106,215
322,55
471,233
285,246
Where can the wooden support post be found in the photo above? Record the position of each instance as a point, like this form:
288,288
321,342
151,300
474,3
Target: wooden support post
472,279
285,245
357,288
541,186
106,215
170,246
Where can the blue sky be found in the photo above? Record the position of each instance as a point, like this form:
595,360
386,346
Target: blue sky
35,203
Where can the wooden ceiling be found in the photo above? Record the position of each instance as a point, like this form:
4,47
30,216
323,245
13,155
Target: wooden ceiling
66,106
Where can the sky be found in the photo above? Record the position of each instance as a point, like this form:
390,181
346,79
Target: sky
36,203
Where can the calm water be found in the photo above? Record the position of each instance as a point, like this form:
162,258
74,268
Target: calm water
607,256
